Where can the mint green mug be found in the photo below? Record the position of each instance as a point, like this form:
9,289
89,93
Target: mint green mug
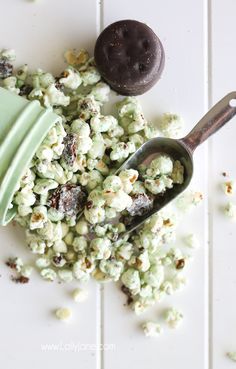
23,126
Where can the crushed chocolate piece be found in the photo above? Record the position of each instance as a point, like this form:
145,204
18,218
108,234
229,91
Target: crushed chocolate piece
179,264
70,148
68,199
6,69
11,263
141,205
58,84
224,174
21,279
57,259
25,90
127,292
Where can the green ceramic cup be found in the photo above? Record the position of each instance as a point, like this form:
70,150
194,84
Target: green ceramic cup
23,126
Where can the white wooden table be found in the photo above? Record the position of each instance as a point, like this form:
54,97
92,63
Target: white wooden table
198,38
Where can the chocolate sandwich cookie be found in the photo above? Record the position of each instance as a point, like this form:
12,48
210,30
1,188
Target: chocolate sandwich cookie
129,56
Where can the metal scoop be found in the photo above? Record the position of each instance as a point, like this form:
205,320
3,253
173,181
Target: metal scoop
181,150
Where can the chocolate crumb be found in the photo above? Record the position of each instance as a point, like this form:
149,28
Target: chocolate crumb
179,264
21,279
11,264
224,174
127,292
68,199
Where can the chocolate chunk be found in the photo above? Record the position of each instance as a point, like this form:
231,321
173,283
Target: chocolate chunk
5,69
25,90
141,204
129,56
70,148
21,279
68,199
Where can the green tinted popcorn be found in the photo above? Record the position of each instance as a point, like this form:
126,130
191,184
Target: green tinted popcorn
48,274
137,139
83,268
42,186
151,329
230,210
96,197
171,125
101,123
38,217
42,262
53,96
82,227
90,76
60,246
122,150
112,183
94,215
161,165
173,317
10,84
128,177
25,197
100,92
80,243
81,128
8,54
111,268
159,185
65,275
71,78
118,201
97,149
101,248
131,279
142,261
154,276
88,107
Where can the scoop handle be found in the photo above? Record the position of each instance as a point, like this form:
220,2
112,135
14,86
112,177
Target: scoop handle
215,119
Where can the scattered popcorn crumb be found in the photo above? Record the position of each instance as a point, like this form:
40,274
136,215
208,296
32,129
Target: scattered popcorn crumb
228,187
63,314
173,317
188,200
151,329
232,355
79,295
230,210
191,241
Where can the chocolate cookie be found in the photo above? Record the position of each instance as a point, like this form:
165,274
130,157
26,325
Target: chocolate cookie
129,56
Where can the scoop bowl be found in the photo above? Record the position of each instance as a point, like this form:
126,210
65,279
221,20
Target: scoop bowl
181,150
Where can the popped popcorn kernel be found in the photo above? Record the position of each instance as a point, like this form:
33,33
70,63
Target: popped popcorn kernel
63,314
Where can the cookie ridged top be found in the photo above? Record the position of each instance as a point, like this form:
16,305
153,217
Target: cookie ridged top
129,56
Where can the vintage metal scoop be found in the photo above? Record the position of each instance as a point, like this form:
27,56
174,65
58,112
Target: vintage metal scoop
182,150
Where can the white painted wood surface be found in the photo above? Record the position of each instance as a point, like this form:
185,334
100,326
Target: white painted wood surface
198,38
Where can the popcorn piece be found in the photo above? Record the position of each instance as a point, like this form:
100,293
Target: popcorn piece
48,274
131,280
63,314
80,295
53,96
232,355
173,317
228,187
192,241
71,79
171,125
230,210
151,329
